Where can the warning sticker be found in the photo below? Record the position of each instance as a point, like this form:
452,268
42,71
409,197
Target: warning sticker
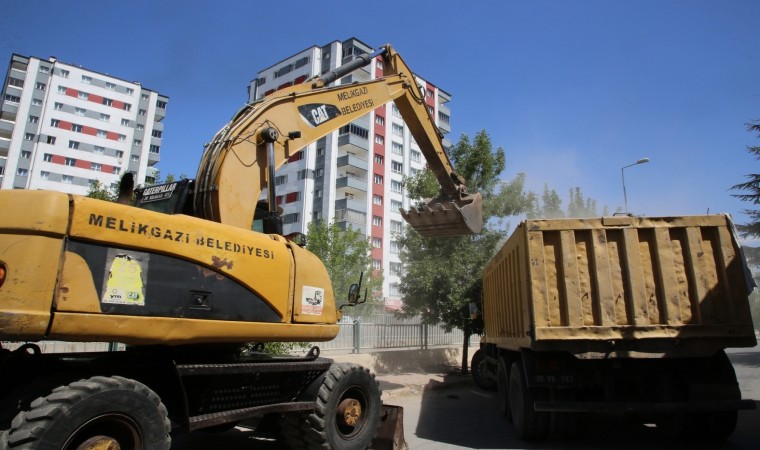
124,281
312,300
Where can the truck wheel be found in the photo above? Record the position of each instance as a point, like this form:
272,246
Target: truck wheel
99,412
348,410
529,424
502,387
480,372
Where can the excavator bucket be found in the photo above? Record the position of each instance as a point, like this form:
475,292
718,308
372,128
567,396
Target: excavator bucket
390,432
446,218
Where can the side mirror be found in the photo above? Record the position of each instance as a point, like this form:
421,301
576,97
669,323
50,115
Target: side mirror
354,292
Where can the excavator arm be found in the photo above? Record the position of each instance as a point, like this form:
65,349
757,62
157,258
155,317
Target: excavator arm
240,161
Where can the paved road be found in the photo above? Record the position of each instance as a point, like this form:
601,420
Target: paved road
464,417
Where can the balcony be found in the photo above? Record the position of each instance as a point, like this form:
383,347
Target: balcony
351,182
349,204
350,141
351,219
351,161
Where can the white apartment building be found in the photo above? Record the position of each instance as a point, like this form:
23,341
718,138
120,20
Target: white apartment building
63,126
353,175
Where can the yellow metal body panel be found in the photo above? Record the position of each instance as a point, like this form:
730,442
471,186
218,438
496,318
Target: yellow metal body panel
53,293
30,247
557,282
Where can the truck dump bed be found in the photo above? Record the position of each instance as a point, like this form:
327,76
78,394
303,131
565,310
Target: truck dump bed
620,286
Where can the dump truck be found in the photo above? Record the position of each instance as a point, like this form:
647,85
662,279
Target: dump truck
616,315
188,273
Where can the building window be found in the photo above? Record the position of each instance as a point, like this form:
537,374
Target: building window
379,159
26,154
377,221
83,95
105,117
318,193
135,158
130,91
396,226
282,179
394,290
15,82
102,133
64,73
98,150
397,129
73,144
136,142
110,86
122,138
22,172
396,205
416,156
293,197
377,242
34,119
291,218
377,199
44,175
126,107
71,162
44,69
377,264
116,170
125,122
397,167
58,106
378,179
76,127
51,140
397,148
47,157
301,174
119,154
12,98
319,173
86,79
380,120
80,111
379,139
29,136
155,149
144,97
160,104
55,123
41,86
95,166
395,267
394,247
61,89
67,179
36,102
141,112
396,186
138,127
156,134
107,101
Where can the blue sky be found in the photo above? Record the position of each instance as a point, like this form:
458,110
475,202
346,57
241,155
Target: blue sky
572,90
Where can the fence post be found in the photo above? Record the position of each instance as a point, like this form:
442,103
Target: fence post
423,336
357,337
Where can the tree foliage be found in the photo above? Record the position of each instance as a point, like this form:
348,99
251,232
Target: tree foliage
442,276
345,254
100,191
751,191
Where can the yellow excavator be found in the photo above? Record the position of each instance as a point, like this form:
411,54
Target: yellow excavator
181,277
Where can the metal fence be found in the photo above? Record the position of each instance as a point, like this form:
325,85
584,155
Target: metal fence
355,335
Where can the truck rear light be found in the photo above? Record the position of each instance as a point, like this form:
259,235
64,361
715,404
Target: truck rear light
3,271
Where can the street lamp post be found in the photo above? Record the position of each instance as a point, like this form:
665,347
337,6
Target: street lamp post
622,175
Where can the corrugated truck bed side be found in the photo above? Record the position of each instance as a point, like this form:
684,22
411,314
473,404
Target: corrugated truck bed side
619,279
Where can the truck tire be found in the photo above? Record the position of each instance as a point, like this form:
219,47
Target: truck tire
94,412
346,416
480,372
528,424
502,388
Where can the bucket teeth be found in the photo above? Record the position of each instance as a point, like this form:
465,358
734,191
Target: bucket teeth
446,218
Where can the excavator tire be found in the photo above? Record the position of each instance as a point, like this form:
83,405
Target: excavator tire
99,412
346,416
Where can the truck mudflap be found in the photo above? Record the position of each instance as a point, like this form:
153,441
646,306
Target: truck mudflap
390,432
645,407
446,218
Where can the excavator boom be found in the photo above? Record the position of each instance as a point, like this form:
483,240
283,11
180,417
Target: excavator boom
239,163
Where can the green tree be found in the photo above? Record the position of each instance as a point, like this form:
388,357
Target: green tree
101,191
549,206
442,276
346,254
751,189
